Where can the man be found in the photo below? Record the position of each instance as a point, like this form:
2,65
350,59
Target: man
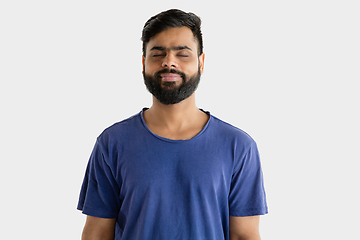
173,171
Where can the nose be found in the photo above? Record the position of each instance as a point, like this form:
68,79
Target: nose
169,61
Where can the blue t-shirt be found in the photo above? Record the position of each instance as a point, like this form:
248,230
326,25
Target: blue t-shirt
164,189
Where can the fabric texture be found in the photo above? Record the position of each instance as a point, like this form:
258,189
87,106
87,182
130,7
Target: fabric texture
159,188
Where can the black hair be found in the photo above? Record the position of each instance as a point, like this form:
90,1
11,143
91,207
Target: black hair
169,19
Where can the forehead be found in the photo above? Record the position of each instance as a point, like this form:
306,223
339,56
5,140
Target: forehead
177,36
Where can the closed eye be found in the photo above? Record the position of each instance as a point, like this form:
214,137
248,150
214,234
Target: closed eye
158,55
183,54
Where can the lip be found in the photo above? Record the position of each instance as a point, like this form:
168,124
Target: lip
170,77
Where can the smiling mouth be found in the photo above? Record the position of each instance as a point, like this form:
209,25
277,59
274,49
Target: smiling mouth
170,77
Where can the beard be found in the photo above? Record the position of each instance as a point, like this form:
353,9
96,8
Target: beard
168,93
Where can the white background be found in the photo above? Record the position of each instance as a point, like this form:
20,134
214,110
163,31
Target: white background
286,72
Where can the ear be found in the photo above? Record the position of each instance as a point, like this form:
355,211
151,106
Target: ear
201,62
143,63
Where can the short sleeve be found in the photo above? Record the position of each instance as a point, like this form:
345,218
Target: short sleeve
247,193
99,195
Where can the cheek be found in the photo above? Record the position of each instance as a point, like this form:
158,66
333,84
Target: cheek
149,68
191,68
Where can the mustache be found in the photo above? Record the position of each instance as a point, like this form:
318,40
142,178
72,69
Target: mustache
174,71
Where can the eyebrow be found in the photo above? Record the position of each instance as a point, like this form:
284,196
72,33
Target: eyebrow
175,48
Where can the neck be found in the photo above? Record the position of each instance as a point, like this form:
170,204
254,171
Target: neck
174,115
176,121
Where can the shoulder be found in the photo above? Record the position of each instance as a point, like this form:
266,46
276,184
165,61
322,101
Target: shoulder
123,129
241,145
226,130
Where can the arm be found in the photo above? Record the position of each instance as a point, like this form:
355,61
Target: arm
99,229
244,228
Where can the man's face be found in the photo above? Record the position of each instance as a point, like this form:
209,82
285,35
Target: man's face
172,67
